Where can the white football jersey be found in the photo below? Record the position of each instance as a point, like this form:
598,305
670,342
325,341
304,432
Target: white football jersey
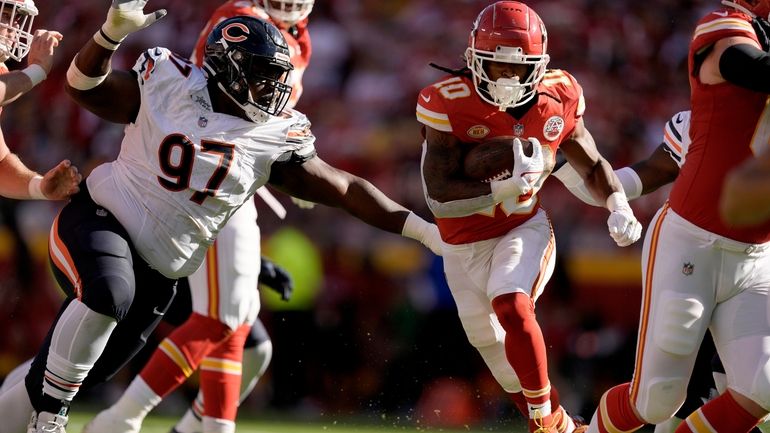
184,169
676,136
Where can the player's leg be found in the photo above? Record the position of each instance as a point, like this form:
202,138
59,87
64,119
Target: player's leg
257,353
522,263
742,337
677,300
221,383
224,297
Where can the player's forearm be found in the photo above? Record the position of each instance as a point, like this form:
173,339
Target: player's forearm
13,85
15,178
367,203
601,181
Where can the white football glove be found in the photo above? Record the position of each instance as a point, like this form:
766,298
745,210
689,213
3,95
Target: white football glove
623,225
126,17
526,171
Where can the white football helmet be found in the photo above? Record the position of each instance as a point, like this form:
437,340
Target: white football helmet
507,32
16,28
288,12
752,8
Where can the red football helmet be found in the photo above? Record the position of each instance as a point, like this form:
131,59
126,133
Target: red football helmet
508,32
760,8
16,18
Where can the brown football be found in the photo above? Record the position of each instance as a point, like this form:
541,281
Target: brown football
492,159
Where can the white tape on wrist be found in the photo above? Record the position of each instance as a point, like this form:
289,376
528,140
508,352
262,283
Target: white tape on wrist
78,80
34,188
508,188
36,73
102,39
632,184
617,201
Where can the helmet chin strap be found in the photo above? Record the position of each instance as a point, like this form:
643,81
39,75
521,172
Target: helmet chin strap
252,112
506,92
741,8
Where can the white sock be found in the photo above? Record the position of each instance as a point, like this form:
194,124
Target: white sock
668,426
189,423
254,364
545,409
136,402
216,425
15,376
15,408
78,340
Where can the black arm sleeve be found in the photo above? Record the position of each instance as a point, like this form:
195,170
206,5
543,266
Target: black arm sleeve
746,66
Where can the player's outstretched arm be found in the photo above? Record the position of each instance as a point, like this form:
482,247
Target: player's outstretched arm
40,61
19,182
91,82
745,198
580,151
316,181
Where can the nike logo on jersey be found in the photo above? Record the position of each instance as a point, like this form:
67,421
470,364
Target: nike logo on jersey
425,98
679,118
157,312
721,14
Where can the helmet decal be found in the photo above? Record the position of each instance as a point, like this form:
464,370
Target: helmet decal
226,32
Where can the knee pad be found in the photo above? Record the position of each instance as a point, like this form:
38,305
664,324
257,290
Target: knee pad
494,357
111,295
680,327
664,397
480,325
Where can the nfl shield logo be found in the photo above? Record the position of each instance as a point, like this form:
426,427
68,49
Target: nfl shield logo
687,268
518,129
202,122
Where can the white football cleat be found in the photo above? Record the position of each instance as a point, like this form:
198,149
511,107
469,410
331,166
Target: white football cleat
46,422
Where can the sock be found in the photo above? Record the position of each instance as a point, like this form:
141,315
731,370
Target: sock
177,356
722,414
615,412
78,340
221,377
525,348
668,426
15,408
191,420
212,425
255,362
136,402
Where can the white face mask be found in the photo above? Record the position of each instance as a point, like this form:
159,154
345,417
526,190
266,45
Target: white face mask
505,92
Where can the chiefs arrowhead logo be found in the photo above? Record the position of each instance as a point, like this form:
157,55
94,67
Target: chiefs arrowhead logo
553,128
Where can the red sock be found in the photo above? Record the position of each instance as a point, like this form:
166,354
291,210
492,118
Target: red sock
615,409
524,345
722,414
177,357
221,377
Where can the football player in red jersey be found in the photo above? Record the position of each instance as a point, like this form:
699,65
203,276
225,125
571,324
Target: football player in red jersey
499,246
228,271
16,41
698,271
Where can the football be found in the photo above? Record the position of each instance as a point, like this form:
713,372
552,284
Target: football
492,159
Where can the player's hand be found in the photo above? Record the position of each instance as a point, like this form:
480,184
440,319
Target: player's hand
61,181
624,228
526,171
126,17
41,50
302,204
276,278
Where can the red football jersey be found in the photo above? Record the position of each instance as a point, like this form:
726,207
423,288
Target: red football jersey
728,125
452,105
299,47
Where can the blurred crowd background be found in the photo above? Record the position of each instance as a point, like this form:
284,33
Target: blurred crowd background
372,329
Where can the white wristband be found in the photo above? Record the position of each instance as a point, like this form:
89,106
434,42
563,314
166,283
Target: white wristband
78,80
102,39
35,191
36,73
632,184
617,200
414,227
508,188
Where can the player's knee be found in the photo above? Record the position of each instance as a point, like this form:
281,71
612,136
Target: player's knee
515,311
481,330
681,326
664,396
497,362
110,295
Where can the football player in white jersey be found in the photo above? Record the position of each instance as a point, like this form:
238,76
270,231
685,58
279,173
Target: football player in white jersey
197,145
16,41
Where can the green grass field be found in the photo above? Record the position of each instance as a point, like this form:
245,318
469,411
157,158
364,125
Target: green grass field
156,424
